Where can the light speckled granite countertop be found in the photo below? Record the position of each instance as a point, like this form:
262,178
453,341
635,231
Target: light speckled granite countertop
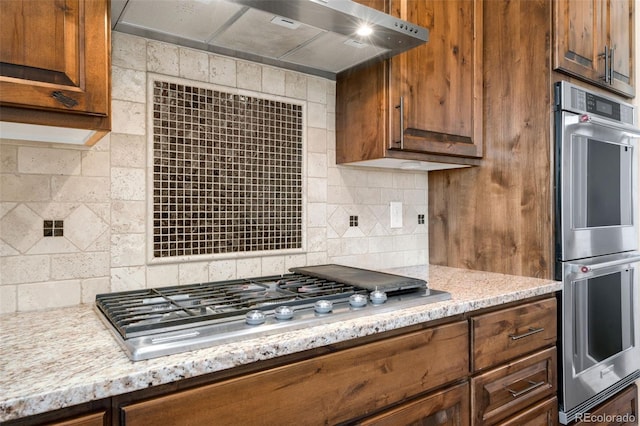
59,358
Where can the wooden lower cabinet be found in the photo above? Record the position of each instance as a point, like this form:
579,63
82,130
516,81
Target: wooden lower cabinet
505,391
327,389
95,419
622,409
544,413
449,407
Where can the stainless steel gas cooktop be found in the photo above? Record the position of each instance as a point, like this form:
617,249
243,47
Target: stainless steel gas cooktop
155,322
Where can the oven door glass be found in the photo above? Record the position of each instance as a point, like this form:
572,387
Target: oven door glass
598,190
603,318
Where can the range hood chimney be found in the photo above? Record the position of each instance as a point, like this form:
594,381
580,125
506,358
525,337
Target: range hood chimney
320,37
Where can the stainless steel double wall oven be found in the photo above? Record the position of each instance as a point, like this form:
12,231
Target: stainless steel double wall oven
596,246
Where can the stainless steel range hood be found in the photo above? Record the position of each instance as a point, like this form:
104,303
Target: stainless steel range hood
312,36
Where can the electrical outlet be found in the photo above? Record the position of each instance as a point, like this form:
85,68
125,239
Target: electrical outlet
395,214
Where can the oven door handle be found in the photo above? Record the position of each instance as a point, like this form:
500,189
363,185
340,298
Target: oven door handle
585,268
587,119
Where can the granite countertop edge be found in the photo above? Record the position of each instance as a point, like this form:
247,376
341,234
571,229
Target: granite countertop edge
45,368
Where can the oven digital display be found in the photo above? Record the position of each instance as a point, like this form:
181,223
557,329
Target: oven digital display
603,107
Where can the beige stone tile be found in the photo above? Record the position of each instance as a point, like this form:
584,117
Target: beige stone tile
317,190
128,117
380,244
89,288
8,299
317,258
404,180
380,179
8,158
316,115
102,243
53,245
21,228
222,71
273,81
249,76
193,272
317,90
294,260
95,163
249,267
194,64
317,140
272,265
295,85
83,227
53,210
128,278
162,275
316,165
7,250
128,216
317,215
316,239
128,184
368,196
81,189
331,121
128,85
220,270
415,196
127,250
128,51
24,188
80,265
128,150
53,294
163,58
24,269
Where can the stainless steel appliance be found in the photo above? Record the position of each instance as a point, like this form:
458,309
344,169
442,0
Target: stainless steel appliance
596,243
154,322
322,37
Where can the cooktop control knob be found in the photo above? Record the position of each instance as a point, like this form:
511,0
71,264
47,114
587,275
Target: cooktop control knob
378,297
323,306
357,300
284,313
255,317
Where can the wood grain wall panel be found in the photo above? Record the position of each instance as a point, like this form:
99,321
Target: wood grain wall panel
498,216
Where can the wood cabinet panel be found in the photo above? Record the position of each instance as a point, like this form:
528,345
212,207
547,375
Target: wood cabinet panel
96,419
503,335
55,63
325,390
544,413
449,407
439,83
502,392
594,41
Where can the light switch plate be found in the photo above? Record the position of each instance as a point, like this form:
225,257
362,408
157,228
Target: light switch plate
395,213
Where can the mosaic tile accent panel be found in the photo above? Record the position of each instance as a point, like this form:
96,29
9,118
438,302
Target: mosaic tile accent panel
227,174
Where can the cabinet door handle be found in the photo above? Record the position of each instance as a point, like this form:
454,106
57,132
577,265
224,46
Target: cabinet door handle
64,99
527,334
532,386
611,50
401,108
607,65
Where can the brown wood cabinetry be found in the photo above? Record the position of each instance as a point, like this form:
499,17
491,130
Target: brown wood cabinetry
327,389
514,357
622,409
449,407
425,104
594,41
96,419
54,63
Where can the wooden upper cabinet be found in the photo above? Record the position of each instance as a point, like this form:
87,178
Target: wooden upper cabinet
54,59
594,41
424,104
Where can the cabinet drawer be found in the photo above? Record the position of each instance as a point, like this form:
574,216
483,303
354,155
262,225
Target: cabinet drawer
447,407
328,389
509,333
499,393
544,413
621,409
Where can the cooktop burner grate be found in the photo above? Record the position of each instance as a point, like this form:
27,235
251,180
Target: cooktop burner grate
150,311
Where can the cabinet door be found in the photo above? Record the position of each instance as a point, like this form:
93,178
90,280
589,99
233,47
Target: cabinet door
449,407
543,414
621,409
54,55
582,32
440,82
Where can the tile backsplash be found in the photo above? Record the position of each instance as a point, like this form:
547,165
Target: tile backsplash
102,196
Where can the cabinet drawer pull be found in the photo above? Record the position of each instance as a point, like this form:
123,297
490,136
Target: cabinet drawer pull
64,99
533,385
527,334
401,108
